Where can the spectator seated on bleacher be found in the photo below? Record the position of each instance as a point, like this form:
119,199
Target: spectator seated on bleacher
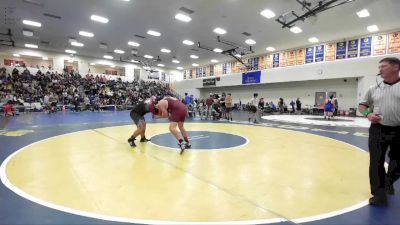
191,110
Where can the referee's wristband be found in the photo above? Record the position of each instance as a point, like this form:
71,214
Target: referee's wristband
365,112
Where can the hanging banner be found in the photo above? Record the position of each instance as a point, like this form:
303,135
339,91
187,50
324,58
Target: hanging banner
319,53
275,60
291,58
310,55
365,46
394,43
352,48
300,59
330,51
380,43
251,77
268,61
341,50
282,59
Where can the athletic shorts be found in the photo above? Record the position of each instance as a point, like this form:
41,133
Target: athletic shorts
228,109
137,119
178,115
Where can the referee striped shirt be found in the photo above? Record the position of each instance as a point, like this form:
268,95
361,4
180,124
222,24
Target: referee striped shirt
384,99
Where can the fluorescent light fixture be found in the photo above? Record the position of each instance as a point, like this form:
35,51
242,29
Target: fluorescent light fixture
92,64
16,55
363,13
194,57
119,51
27,33
31,23
146,68
112,66
214,61
77,44
250,42
218,50
70,51
267,13
175,61
179,68
134,61
153,33
45,58
31,46
188,42
195,64
372,28
99,19
238,55
148,56
270,49
160,65
126,0
313,40
219,31
108,57
296,30
134,44
86,34
183,18
165,50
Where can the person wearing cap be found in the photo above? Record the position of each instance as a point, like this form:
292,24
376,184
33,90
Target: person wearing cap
137,115
175,111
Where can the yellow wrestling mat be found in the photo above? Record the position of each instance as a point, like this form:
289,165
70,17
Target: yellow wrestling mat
278,174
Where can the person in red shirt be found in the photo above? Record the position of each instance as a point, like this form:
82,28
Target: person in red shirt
8,109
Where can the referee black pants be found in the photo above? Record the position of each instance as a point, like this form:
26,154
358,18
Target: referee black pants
381,139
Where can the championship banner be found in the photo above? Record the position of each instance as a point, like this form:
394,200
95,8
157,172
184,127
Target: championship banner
255,64
251,77
319,53
380,42
291,58
310,55
217,70
394,43
209,82
268,61
300,59
233,67
192,73
275,62
341,50
262,62
365,46
283,59
212,70
223,68
330,52
185,75
352,49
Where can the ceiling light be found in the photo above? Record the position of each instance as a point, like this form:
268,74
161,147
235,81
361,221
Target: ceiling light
214,61
363,13
267,13
372,28
183,18
99,19
187,42
313,40
45,58
219,30
238,55
134,44
179,68
195,64
86,34
270,49
153,33
112,66
119,51
250,42
194,57
146,67
175,61
126,0
31,46
217,50
296,30
160,65
70,51
108,57
134,61
16,55
165,50
77,44
92,64
31,23
27,33
148,56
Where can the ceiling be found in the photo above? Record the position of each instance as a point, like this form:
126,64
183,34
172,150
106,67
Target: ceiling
136,17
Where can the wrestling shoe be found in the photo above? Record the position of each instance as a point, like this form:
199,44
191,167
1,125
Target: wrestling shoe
187,145
131,142
144,139
182,147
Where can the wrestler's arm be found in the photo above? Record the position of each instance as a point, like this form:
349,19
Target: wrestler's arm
162,108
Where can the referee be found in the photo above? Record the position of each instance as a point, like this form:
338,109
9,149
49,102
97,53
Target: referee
381,105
